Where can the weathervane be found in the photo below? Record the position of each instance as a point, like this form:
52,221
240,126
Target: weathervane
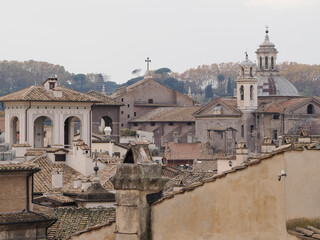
246,53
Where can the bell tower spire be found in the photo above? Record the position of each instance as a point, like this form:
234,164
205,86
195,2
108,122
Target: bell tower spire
267,55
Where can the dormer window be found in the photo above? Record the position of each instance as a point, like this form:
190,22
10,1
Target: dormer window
310,109
51,85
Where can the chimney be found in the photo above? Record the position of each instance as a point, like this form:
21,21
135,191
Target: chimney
241,152
175,137
137,186
57,178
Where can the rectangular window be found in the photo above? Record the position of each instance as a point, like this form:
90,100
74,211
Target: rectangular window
276,116
275,134
128,116
242,131
135,114
251,130
170,123
135,124
152,124
189,123
128,105
60,157
121,112
150,100
121,124
121,99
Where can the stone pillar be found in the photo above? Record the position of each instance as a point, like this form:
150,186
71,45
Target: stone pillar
133,183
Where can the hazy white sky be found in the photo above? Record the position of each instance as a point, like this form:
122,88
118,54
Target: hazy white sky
115,36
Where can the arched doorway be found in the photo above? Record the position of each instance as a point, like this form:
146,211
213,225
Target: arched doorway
72,130
43,132
104,121
15,131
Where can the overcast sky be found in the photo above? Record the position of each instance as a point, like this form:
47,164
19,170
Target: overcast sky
114,37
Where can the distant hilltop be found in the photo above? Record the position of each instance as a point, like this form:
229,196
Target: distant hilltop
16,75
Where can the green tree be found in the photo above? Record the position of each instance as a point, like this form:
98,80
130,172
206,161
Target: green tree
79,80
208,91
229,86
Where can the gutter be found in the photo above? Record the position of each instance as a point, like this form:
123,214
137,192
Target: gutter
26,126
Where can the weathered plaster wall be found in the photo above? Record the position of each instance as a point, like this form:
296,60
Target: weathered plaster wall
302,184
105,233
13,201
248,204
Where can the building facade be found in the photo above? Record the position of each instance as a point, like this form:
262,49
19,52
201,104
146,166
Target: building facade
146,95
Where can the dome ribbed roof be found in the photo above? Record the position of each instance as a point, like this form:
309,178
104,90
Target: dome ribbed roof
275,85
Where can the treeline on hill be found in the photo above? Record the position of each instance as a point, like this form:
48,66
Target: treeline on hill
205,81
16,75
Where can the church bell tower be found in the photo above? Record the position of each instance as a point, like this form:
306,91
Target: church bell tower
247,86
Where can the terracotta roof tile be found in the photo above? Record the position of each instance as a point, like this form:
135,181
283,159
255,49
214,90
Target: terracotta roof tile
22,217
43,178
39,93
187,151
105,100
75,220
169,114
5,167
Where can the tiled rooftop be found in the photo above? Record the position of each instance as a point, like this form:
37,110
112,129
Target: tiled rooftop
105,100
169,114
22,217
74,220
186,179
39,93
19,167
187,151
43,178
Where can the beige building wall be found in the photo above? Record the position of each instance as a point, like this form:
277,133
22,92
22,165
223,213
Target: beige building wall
248,204
13,201
100,233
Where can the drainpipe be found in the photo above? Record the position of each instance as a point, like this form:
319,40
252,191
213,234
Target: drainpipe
90,126
26,127
28,193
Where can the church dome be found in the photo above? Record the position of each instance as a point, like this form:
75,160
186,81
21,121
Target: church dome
247,63
275,85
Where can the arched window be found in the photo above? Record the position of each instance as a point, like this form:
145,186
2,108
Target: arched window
251,92
261,63
242,71
251,74
272,63
266,62
310,109
242,93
